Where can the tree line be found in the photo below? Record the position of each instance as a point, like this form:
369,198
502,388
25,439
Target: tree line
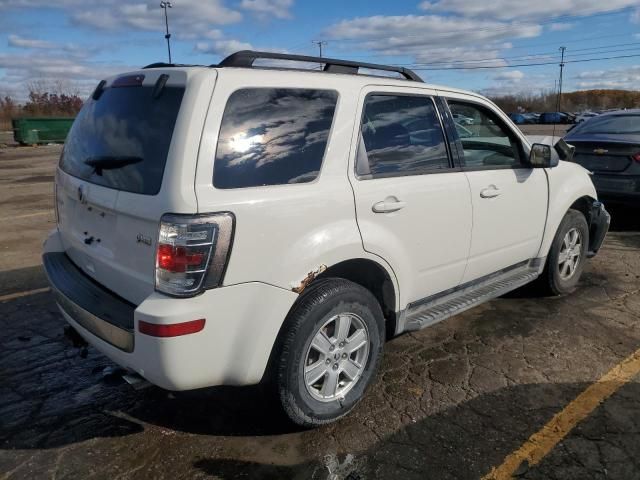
45,99
579,101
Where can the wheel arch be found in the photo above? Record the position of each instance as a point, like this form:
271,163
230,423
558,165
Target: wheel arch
368,273
375,278
583,205
569,187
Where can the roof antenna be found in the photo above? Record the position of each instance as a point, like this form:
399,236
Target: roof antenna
166,6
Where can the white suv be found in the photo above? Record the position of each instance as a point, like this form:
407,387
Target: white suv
233,224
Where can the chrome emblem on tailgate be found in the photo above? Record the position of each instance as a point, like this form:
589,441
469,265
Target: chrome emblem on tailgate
600,151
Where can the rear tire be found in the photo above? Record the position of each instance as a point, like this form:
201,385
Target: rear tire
567,255
330,352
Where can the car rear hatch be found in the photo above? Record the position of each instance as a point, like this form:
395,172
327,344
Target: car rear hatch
129,158
604,156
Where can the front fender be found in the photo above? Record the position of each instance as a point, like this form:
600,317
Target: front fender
568,182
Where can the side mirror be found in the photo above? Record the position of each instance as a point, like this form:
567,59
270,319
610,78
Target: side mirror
540,156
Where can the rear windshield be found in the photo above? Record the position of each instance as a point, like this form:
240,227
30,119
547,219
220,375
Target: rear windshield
611,124
273,136
122,139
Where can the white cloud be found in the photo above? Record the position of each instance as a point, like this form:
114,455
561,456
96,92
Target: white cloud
431,38
509,10
72,49
195,21
222,47
510,76
22,42
266,8
506,83
515,82
560,27
190,16
627,78
20,69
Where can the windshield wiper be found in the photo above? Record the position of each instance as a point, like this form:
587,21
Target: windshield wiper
110,162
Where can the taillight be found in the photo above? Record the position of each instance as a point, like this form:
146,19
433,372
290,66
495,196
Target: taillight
192,252
636,157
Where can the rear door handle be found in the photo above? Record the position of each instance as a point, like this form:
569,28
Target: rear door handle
388,205
490,192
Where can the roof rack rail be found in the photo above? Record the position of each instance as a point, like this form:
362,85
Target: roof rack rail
245,58
167,65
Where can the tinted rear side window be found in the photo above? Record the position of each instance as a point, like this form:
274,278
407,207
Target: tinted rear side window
122,139
273,136
401,135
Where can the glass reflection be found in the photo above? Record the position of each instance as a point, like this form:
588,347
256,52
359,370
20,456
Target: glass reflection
402,136
273,136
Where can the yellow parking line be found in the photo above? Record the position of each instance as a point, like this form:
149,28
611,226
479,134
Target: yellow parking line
543,441
13,296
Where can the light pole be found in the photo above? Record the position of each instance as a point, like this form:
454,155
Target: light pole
559,99
165,6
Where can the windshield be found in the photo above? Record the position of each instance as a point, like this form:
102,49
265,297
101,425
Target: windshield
122,139
611,124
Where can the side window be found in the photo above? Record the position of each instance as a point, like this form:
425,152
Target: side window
273,136
485,140
400,135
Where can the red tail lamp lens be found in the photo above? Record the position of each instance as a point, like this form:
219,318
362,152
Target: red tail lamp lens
178,259
171,330
636,157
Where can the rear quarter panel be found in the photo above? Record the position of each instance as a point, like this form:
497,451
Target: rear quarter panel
284,232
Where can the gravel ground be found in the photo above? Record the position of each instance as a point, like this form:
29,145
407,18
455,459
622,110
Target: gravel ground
451,401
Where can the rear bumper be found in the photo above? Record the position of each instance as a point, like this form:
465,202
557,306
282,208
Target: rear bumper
242,324
97,310
598,227
623,188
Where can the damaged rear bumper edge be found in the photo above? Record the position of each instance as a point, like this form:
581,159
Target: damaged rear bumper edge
598,227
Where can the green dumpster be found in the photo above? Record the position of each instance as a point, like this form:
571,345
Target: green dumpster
34,130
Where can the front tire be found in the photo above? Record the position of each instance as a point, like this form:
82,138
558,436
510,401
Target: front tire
567,256
330,352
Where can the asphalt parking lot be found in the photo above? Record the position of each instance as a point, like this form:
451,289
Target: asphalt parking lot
536,387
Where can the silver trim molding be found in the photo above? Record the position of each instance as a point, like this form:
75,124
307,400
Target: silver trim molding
118,337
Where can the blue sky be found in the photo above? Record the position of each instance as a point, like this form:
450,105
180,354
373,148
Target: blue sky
78,42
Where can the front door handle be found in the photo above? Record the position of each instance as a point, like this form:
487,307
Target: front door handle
388,205
490,192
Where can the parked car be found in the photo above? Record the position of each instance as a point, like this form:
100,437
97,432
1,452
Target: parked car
532,117
518,118
585,116
231,225
554,118
609,146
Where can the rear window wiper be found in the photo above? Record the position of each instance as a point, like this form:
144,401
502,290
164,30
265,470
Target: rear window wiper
110,162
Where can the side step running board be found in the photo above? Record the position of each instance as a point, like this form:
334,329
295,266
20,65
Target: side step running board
429,311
